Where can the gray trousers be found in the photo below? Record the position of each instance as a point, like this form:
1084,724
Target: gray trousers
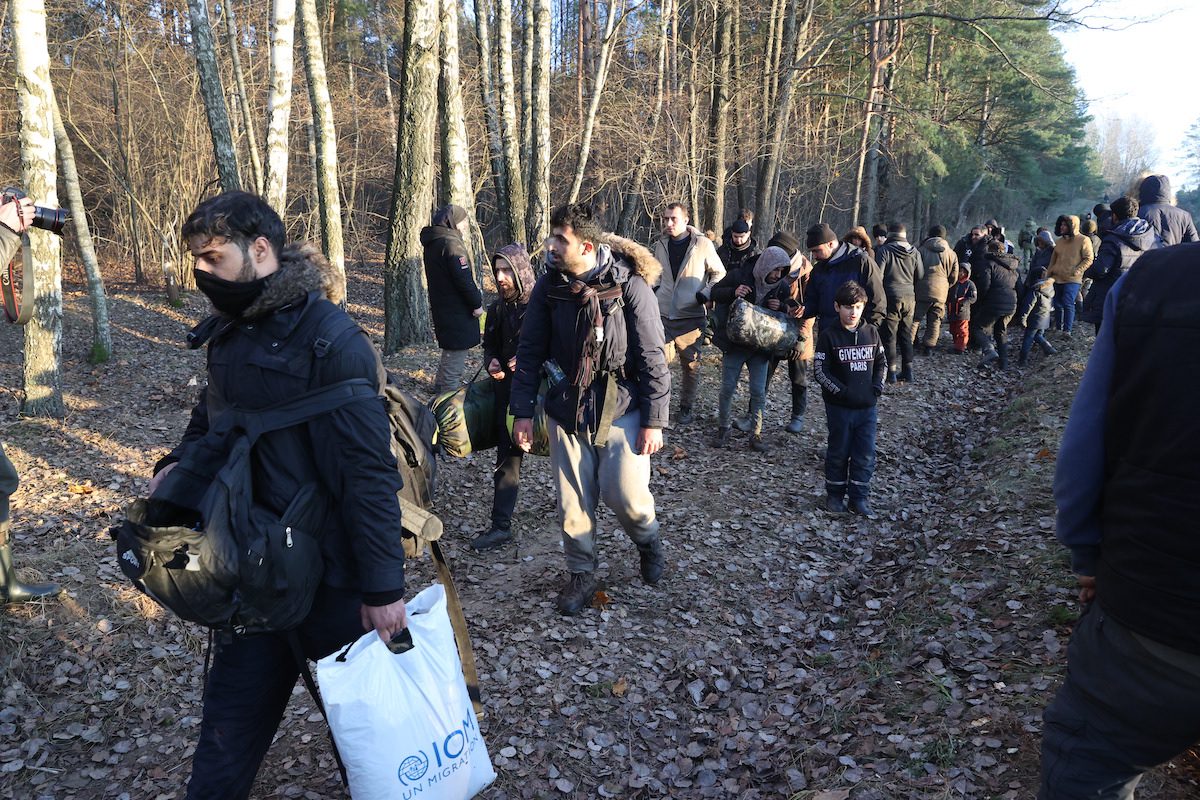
1128,704
450,371
931,313
585,474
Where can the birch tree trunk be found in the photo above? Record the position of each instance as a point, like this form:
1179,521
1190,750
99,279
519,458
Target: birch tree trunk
633,199
616,16
510,132
256,173
101,331
279,103
213,93
487,92
538,218
455,151
35,107
406,304
325,141
718,120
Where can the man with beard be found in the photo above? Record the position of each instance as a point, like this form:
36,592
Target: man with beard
277,333
834,263
738,247
514,282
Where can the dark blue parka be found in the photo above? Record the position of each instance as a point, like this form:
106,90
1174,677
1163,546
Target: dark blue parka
453,295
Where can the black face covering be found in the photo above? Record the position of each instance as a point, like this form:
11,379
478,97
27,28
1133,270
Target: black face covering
229,297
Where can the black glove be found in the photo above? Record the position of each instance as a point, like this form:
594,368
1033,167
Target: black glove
701,299
878,390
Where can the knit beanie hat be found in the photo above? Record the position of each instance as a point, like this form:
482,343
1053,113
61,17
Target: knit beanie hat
819,234
739,226
785,240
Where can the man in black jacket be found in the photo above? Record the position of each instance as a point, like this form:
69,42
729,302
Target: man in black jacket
902,270
454,299
594,315
273,304
738,248
834,263
1174,225
996,281
1128,499
1120,246
15,218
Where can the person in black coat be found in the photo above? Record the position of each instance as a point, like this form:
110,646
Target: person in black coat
1173,224
996,283
1119,248
454,299
274,304
738,246
834,263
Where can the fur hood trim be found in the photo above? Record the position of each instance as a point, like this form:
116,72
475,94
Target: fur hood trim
302,269
641,261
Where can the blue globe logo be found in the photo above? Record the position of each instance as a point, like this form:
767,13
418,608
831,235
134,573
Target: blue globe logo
413,768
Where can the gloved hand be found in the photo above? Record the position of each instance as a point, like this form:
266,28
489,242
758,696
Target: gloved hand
797,351
701,299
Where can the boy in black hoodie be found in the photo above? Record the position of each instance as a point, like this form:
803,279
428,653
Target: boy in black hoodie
851,367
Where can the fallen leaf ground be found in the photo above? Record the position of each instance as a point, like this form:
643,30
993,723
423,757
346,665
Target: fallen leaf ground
788,654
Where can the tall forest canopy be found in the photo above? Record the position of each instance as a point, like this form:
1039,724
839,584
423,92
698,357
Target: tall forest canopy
847,111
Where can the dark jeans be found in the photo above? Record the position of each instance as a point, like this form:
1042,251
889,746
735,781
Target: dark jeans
850,454
897,329
248,689
507,478
1032,335
798,376
1128,704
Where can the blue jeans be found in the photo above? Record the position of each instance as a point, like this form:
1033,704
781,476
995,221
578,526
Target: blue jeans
1063,304
731,369
850,454
1032,335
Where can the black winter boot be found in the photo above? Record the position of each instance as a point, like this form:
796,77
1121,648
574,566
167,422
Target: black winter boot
578,593
835,504
654,561
1047,348
906,374
12,590
859,505
686,417
491,539
1002,354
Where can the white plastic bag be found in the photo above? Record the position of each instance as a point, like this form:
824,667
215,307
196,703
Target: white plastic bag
403,723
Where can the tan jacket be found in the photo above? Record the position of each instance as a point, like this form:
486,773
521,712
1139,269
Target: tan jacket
1072,255
701,268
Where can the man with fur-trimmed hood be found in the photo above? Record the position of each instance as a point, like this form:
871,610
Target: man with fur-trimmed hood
594,315
501,334
278,334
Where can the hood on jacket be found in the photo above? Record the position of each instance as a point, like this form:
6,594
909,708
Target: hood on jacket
517,260
1008,261
936,243
845,250
641,261
431,233
897,244
1136,233
302,269
1072,222
1155,189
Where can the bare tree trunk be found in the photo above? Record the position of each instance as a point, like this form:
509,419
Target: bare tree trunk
213,93
718,120
510,133
795,33
385,45
406,306
283,39
526,19
491,115
455,151
616,15
101,330
693,123
35,104
537,221
883,44
325,139
633,200
256,170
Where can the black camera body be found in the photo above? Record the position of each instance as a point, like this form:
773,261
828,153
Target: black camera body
48,219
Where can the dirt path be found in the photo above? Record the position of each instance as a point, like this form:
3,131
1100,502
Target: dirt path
789,653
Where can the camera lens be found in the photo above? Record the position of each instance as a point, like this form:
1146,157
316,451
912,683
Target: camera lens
50,219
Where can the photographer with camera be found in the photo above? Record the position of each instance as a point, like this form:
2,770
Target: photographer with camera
16,215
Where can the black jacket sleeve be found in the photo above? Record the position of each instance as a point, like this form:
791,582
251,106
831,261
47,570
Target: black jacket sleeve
352,445
491,335
457,265
872,279
532,351
645,332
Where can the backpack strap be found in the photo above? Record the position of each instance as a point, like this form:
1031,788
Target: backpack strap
458,621
303,408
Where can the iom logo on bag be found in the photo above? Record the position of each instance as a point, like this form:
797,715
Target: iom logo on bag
450,754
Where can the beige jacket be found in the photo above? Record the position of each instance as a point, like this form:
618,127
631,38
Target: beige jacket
1072,255
701,269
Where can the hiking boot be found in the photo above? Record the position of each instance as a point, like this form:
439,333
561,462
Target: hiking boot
796,425
491,539
12,590
723,438
654,562
859,505
1023,359
990,356
577,594
905,374
686,417
1047,348
835,504
1002,353
742,424
758,445
891,375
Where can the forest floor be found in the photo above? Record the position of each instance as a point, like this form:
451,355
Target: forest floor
789,653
